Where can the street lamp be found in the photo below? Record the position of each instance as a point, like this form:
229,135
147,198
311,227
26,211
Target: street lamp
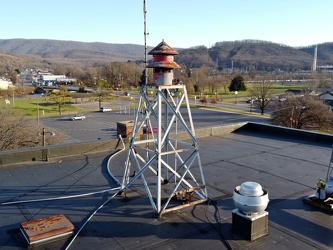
43,134
13,97
37,108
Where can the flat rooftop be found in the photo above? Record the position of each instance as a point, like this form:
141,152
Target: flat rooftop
287,165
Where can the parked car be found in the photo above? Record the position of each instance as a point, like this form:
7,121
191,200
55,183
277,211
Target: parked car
105,109
252,100
77,117
149,130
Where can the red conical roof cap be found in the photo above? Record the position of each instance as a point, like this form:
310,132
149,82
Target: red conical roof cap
163,49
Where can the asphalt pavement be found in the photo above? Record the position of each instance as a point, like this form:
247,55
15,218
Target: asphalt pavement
80,187
103,126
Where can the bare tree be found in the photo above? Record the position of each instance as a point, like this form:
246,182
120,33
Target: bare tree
225,81
102,90
261,91
302,112
199,77
252,72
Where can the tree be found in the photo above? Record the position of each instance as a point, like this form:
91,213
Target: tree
224,83
302,112
213,83
142,80
237,84
253,72
89,76
101,91
199,77
188,71
261,91
60,97
196,88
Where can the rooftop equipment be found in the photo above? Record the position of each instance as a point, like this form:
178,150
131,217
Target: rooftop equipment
167,157
249,219
323,197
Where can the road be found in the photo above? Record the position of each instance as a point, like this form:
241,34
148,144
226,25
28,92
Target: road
99,125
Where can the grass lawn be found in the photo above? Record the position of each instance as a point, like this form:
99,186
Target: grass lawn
33,106
30,106
242,96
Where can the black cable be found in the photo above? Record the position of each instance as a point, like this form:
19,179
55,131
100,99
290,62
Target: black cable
218,220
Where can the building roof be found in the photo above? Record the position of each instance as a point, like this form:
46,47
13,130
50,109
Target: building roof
286,163
163,57
163,49
326,96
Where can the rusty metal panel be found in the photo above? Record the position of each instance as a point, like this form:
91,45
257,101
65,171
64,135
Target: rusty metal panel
163,48
46,229
169,65
163,61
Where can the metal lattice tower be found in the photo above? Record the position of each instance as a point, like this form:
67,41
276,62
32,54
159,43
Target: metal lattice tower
166,158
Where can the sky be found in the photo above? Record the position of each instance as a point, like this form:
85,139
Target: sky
180,23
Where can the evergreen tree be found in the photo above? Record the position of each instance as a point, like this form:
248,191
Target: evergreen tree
237,84
142,81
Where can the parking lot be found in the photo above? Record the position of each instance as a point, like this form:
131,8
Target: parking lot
103,125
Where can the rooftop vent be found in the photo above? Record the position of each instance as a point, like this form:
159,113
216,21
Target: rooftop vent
250,198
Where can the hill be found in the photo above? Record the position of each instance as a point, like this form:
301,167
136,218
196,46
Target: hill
325,53
261,55
72,51
244,55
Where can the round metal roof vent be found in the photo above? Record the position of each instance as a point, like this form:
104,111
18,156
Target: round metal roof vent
250,188
250,198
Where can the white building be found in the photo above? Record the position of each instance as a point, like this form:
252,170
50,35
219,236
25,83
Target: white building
49,80
5,84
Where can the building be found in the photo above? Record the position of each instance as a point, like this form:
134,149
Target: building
5,84
50,80
286,162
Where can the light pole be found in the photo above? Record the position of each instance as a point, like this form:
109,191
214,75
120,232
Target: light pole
292,117
37,109
251,105
37,112
13,97
45,132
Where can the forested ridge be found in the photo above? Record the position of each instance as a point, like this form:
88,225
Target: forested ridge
243,55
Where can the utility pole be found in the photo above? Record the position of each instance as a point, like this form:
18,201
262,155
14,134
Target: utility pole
145,39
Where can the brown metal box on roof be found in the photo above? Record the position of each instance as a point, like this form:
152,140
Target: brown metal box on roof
48,228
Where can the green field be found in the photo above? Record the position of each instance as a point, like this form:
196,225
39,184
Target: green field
33,106
277,89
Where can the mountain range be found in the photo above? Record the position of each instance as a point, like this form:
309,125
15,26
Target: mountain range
262,55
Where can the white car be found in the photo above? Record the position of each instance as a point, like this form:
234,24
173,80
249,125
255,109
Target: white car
77,117
105,109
